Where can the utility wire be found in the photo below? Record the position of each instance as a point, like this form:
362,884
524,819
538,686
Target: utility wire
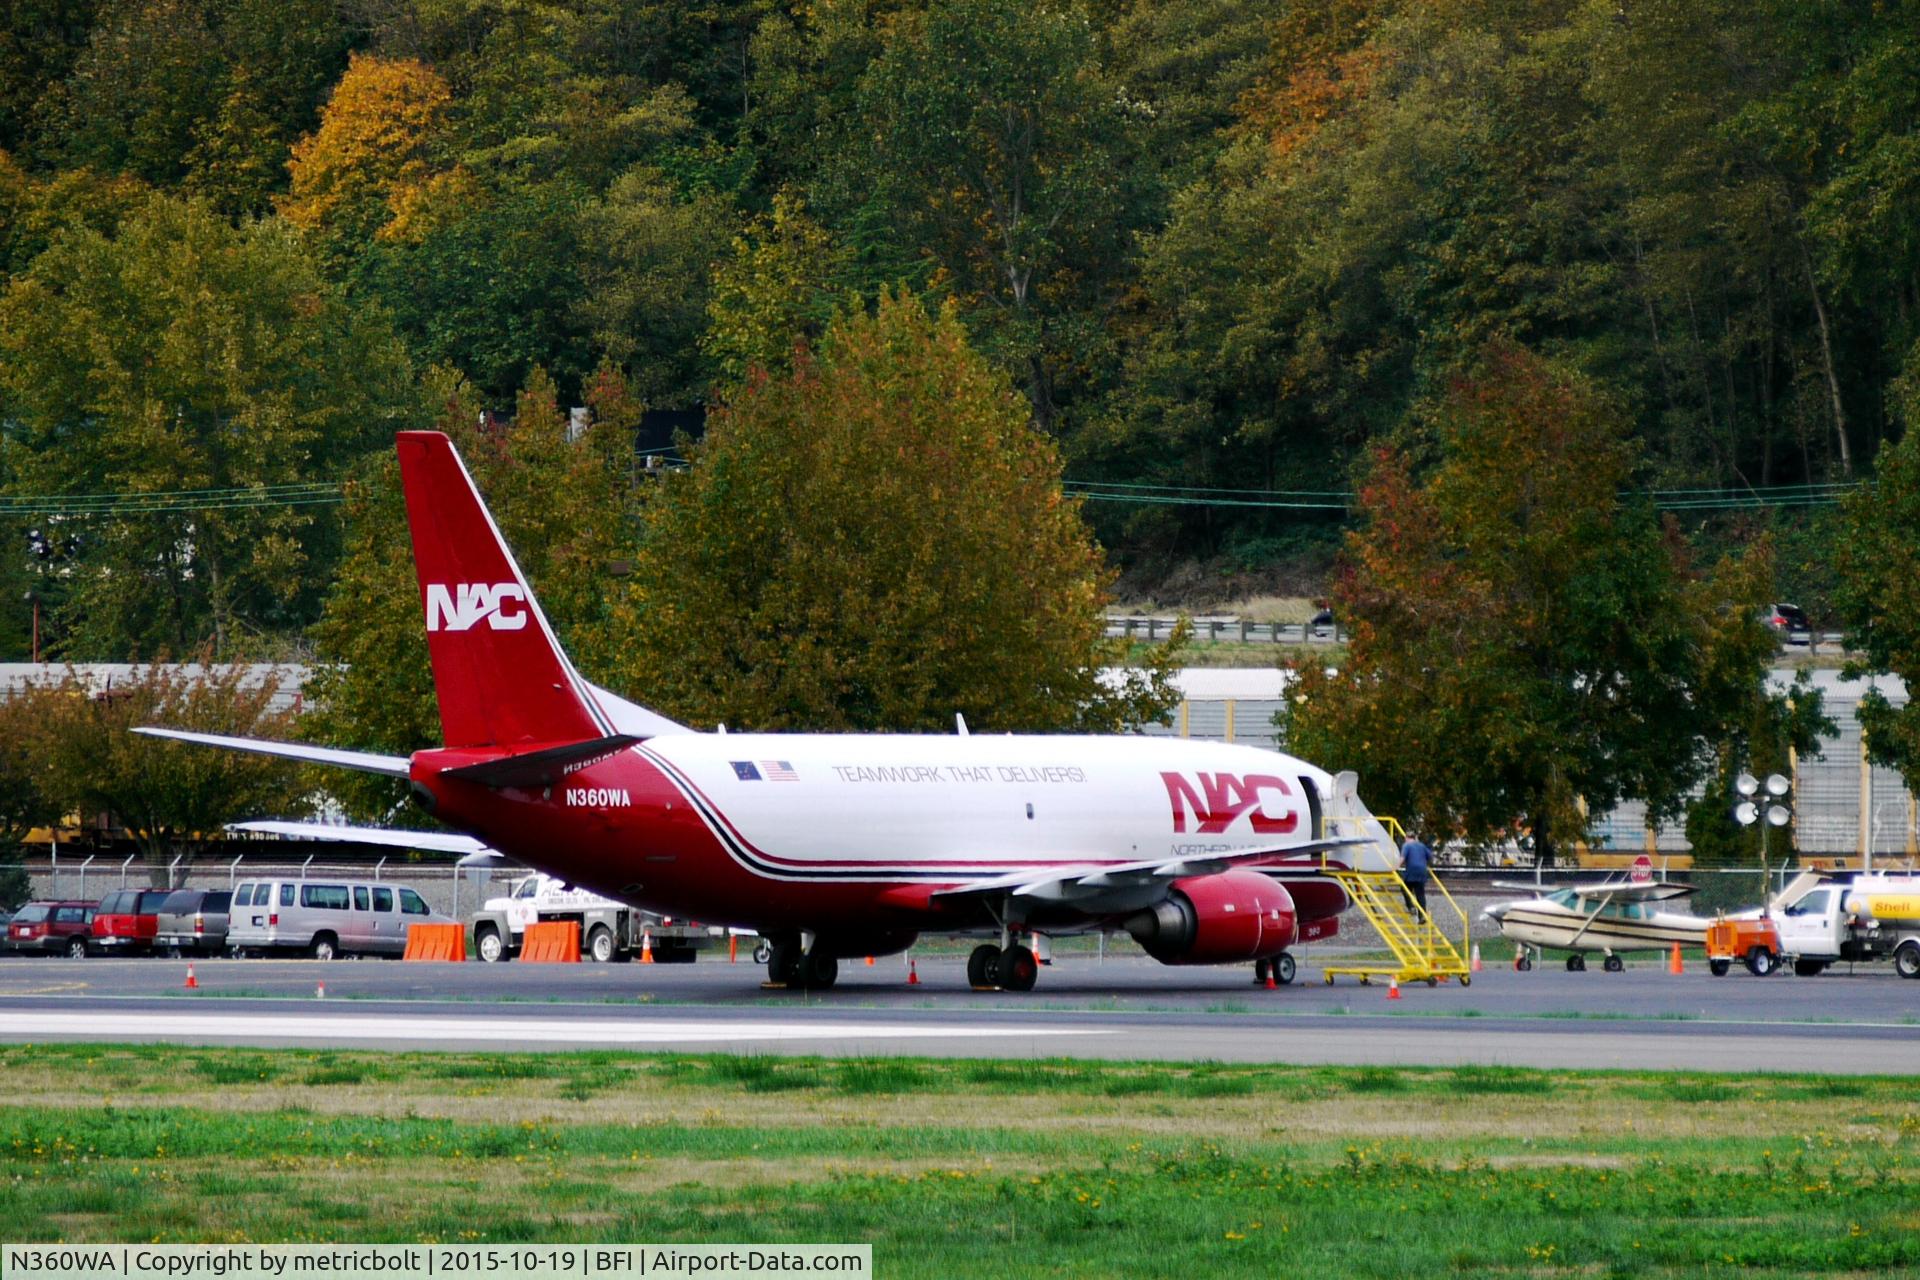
326,493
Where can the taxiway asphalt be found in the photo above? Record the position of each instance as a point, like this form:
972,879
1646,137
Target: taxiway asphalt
1125,1008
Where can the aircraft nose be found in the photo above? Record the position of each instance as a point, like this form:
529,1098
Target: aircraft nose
1497,912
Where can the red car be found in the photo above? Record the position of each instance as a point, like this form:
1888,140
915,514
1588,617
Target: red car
52,928
126,920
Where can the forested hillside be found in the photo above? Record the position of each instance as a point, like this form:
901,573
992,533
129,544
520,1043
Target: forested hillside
1219,246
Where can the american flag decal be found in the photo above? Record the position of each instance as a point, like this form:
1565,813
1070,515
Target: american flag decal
779,771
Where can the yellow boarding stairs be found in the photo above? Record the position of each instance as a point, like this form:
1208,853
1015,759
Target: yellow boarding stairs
1422,950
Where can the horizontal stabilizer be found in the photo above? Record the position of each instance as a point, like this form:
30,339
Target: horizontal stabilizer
431,841
540,768
365,762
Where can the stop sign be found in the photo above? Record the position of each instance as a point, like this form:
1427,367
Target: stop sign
1642,870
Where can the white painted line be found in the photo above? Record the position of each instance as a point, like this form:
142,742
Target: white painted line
503,1032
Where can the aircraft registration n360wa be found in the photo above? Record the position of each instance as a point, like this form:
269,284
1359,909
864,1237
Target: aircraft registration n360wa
840,845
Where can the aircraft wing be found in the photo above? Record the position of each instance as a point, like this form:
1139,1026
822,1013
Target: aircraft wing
433,841
1093,886
1649,891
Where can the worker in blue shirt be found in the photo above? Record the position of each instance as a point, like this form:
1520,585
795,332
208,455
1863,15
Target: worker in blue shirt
1415,860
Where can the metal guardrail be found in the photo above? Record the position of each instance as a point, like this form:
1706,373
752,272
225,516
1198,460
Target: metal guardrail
1225,629
1228,628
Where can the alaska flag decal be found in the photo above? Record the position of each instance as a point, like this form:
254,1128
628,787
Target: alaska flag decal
744,770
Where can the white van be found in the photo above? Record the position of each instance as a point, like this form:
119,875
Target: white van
325,918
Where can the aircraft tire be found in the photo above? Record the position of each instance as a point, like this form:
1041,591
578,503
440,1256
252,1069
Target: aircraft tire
783,963
983,966
1761,962
818,972
1576,963
1718,968
1525,964
1614,964
1283,969
1019,970
1260,972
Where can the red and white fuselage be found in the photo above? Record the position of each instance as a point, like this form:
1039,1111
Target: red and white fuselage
850,831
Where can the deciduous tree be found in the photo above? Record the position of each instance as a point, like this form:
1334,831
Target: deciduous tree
1529,646
185,354
173,798
878,540
1878,593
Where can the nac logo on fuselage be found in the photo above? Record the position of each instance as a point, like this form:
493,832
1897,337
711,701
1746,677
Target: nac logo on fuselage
501,604
1217,800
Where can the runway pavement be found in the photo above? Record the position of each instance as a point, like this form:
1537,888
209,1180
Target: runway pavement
1128,1008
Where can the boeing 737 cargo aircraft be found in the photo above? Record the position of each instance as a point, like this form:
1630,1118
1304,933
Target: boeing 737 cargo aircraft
841,845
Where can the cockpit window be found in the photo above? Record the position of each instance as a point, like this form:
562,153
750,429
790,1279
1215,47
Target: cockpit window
1564,898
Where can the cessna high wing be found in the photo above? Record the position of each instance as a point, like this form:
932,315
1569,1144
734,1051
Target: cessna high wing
1612,918
840,845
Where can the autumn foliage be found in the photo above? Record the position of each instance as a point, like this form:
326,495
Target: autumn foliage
1529,645
368,161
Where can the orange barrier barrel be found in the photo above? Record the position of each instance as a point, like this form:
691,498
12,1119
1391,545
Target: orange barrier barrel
554,942
436,942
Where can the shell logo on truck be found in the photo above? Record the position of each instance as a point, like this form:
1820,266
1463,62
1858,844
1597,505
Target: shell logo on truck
1885,906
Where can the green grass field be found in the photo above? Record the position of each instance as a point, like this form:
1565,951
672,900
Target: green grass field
954,1168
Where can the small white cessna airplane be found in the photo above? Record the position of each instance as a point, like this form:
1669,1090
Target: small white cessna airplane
840,845
1610,918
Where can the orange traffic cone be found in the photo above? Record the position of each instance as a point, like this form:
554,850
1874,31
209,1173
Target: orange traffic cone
1271,984
733,948
646,948
320,990
193,983
1476,966
869,962
913,974
1393,988
1673,961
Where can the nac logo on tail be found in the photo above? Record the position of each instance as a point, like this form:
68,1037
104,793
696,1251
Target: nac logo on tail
502,605
1220,798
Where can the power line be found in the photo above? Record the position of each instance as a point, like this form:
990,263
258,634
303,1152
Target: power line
176,501
326,493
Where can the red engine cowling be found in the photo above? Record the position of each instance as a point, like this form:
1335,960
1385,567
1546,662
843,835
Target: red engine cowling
1218,919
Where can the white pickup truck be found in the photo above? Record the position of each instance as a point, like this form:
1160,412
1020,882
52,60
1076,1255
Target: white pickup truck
609,930
1870,917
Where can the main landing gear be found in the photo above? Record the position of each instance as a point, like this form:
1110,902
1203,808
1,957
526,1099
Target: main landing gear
1577,963
1009,968
1280,968
791,967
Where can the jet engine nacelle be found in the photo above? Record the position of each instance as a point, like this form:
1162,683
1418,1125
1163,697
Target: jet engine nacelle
1218,919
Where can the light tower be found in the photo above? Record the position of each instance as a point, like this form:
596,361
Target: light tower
1768,804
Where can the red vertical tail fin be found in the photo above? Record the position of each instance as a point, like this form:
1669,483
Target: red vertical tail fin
499,673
